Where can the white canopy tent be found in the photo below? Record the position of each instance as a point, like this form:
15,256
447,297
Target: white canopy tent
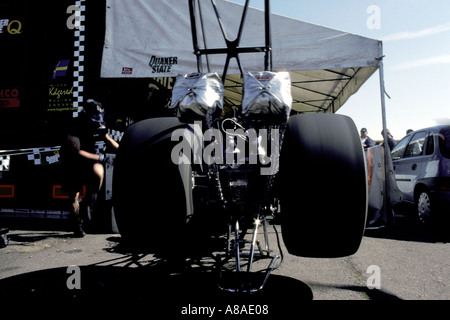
149,38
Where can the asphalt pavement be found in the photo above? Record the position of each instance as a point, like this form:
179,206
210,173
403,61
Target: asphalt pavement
406,262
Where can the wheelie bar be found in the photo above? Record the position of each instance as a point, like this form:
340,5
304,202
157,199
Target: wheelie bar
245,281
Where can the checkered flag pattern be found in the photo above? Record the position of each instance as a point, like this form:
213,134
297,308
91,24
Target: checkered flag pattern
115,135
4,163
35,157
78,64
36,154
100,147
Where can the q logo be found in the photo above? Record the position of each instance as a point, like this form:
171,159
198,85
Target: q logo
15,27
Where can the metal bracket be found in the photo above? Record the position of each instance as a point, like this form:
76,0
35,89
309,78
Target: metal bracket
233,48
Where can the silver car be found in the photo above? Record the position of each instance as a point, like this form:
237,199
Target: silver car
422,170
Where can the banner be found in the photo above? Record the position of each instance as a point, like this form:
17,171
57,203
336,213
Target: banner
376,180
375,166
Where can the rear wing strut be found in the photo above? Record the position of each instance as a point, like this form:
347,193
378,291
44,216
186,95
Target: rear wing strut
233,48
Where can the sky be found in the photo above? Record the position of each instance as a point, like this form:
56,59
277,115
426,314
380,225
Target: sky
416,45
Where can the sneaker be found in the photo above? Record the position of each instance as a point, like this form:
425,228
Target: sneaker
3,237
77,226
78,232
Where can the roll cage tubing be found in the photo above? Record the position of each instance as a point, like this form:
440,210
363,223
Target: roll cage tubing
233,48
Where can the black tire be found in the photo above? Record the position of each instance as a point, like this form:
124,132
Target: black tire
323,184
148,193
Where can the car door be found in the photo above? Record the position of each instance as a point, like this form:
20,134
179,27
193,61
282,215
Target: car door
407,158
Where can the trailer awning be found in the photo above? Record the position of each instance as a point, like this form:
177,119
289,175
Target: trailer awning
149,38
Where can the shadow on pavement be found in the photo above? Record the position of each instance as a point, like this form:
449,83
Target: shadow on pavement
140,280
136,279
27,237
408,228
152,288
374,294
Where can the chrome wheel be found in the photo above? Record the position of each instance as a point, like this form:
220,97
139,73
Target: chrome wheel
424,207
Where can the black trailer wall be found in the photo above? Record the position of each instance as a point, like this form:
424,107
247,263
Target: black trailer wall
36,61
37,66
38,70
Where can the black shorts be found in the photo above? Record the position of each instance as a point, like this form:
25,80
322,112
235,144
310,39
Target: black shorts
77,174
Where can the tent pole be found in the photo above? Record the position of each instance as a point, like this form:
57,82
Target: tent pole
387,187
194,35
268,37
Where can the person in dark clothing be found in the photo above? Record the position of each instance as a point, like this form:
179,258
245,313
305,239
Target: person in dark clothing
83,164
366,141
391,141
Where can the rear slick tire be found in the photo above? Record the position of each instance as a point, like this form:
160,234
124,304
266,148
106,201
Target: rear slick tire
323,184
148,190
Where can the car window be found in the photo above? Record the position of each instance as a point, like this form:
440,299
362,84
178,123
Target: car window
399,149
415,146
444,142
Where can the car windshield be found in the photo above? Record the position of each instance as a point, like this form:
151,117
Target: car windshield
399,149
444,142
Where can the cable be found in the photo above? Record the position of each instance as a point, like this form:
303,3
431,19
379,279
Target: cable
234,120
